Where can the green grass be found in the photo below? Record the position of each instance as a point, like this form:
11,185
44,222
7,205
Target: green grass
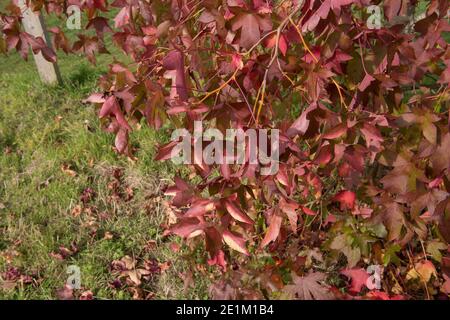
45,130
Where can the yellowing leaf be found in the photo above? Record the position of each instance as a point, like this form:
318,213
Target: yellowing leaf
434,247
422,271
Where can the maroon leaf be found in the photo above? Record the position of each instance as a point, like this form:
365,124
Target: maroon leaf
237,213
309,287
236,242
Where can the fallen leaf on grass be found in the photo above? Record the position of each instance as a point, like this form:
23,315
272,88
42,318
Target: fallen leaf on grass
76,211
65,168
127,267
136,275
65,293
64,252
171,216
13,276
7,285
175,247
150,245
87,295
87,195
164,266
126,263
188,279
108,236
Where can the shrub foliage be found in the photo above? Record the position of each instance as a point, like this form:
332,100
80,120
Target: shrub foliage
363,114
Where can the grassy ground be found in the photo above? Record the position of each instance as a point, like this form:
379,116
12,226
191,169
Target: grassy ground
67,199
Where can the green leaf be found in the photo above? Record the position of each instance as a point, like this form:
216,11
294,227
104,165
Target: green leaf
378,230
390,255
433,249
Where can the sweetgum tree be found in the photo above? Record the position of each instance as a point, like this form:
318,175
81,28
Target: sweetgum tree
363,114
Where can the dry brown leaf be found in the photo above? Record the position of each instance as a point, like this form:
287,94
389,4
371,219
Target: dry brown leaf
76,211
309,287
66,169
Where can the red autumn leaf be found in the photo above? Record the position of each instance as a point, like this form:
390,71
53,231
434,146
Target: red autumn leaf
218,259
302,123
357,108
165,152
308,211
186,227
392,9
117,68
121,141
380,295
237,213
324,155
446,285
236,61
236,242
200,207
213,241
273,230
440,159
108,106
290,208
95,98
358,279
123,17
320,13
39,45
174,63
335,132
282,43
111,108
346,199
262,6
251,26
100,24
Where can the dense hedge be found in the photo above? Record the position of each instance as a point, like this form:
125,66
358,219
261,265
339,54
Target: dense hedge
361,102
